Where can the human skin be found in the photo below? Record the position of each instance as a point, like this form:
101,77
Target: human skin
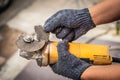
106,72
104,12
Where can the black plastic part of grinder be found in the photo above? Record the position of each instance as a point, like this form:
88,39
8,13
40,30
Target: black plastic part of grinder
115,59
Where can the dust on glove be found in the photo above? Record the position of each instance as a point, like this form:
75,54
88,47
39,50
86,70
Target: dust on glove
69,24
68,65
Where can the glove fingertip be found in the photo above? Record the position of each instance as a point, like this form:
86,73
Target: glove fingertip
47,28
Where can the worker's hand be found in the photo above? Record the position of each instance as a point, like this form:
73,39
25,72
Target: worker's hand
69,24
68,65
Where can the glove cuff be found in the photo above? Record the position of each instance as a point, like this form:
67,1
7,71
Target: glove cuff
83,69
87,18
91,21
84,19
79,70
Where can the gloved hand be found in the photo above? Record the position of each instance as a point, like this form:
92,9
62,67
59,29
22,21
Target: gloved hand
68,65
69,24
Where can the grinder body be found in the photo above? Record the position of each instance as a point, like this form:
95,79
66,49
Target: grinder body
97,54
37,46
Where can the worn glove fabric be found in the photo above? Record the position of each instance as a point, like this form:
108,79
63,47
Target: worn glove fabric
69,24
68,65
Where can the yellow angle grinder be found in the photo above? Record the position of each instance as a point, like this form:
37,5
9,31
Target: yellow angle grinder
37,46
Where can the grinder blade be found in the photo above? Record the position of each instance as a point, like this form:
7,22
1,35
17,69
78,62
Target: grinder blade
42,38
31,46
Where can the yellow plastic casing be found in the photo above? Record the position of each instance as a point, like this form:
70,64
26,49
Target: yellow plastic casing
98,54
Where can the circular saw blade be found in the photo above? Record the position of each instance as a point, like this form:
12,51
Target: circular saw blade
29,47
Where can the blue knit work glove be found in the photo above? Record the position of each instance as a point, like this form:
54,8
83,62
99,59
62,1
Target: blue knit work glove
69,24
68,65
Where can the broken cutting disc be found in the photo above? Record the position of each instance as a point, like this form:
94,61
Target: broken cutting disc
41,34
29,47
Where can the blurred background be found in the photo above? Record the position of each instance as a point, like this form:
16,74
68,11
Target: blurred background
20,16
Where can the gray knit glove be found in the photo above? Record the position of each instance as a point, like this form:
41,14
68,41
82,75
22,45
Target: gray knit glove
68,65
69,24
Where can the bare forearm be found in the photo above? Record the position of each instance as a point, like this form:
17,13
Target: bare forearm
105,12
109,72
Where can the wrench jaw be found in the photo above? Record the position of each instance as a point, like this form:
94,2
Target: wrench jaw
32,45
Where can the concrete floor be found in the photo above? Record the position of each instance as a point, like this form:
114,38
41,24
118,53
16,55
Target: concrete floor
35,13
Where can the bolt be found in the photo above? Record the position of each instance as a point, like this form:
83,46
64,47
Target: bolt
28,38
